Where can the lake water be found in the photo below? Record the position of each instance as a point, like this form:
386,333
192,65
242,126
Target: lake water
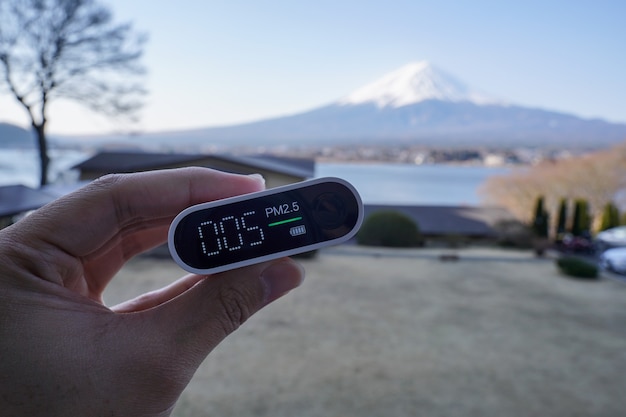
376,182
21,166
414,184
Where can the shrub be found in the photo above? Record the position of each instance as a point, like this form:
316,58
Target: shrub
389,228
576,267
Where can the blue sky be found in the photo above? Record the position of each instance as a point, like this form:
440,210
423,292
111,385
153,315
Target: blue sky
222,62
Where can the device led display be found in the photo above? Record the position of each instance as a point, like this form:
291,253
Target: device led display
230,233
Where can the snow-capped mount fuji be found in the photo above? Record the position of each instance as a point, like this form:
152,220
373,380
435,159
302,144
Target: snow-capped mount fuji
415,104
414,83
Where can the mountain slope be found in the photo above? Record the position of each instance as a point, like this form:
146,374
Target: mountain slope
416,104
12,136
429,122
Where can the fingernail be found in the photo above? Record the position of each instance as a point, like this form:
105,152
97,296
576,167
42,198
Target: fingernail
258,177
281,277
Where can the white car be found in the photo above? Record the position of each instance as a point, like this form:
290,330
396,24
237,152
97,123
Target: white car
611,238
614,260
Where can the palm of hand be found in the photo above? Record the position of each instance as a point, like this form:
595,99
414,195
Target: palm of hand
68,354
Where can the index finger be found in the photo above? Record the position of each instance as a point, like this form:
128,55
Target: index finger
83,222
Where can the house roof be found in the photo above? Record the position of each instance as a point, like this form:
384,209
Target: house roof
16,199
298,167
123,162
450,220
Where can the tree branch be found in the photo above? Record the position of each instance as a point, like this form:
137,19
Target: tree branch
70,49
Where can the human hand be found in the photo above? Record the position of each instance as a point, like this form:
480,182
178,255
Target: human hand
63,353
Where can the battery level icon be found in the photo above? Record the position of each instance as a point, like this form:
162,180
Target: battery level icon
297,230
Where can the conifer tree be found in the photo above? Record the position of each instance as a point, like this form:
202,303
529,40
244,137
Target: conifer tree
541,219
610,216
581,222
561,225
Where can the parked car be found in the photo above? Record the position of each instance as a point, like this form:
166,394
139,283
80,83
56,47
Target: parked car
575,244
614,260
611,238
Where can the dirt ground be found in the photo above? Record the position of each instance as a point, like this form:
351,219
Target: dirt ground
377,332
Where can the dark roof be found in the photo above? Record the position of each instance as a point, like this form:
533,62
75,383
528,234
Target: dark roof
123,162
16,199
450,220
298,167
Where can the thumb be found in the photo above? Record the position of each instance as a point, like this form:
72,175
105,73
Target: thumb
195,322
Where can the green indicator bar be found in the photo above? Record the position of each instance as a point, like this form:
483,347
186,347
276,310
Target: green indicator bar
295,219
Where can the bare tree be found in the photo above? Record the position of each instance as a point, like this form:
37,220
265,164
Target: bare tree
70,49
599,178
